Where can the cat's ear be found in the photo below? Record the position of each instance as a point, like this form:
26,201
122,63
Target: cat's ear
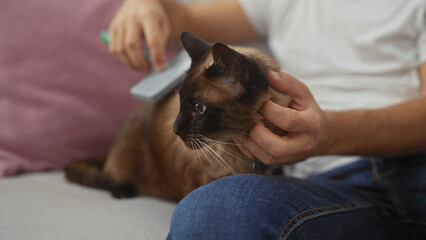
195,46
228,62
225,55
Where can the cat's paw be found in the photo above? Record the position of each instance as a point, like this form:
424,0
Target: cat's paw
124,191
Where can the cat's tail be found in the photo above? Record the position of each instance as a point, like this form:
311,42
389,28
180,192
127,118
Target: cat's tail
88,172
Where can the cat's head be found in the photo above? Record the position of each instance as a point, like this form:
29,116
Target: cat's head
221,94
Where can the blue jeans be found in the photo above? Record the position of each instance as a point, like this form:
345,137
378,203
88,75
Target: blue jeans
369,199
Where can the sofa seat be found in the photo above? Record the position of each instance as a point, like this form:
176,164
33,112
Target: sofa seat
45,206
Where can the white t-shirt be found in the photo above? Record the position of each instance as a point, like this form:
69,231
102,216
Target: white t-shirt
351,54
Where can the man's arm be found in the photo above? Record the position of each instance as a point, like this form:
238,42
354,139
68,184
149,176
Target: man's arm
396,130
222,20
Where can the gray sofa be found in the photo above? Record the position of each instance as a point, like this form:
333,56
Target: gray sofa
45,206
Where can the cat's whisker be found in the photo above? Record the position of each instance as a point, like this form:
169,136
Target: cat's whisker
209,156
219,158
204,147
224,143
217,141
220,145
231,153
200,146
196,149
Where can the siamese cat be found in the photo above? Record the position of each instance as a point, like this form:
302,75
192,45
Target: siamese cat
169,148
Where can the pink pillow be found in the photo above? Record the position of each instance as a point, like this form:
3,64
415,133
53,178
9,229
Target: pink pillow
62,95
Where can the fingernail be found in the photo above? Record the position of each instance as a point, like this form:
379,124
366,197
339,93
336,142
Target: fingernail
160,66
275,74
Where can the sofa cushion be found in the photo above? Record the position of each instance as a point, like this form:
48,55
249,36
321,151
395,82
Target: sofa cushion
62,95
45,206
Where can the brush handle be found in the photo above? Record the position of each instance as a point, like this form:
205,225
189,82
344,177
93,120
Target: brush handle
158,84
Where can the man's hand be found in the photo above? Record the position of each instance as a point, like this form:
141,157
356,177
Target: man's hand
134,19
304,121
158,21
390,131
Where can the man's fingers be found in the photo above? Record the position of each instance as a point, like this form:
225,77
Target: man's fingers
245,150
272,149
302,122
156,36
114,40
116,46
133,48
285,118
258,153
285,83
158,57
273,144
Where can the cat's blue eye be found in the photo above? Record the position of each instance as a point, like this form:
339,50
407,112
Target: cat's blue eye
200,108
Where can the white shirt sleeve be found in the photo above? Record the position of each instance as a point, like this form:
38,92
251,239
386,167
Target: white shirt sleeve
257,14
421,42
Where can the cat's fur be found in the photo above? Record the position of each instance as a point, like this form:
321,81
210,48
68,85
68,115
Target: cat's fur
218,103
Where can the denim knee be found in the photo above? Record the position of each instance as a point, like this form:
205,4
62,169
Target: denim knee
225,209
267,207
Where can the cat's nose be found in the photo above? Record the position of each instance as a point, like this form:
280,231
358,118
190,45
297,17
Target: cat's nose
178,125
177,130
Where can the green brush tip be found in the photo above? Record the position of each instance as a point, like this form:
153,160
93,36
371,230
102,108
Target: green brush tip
104,35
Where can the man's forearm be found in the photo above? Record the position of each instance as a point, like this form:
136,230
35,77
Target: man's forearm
214,21
395,130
